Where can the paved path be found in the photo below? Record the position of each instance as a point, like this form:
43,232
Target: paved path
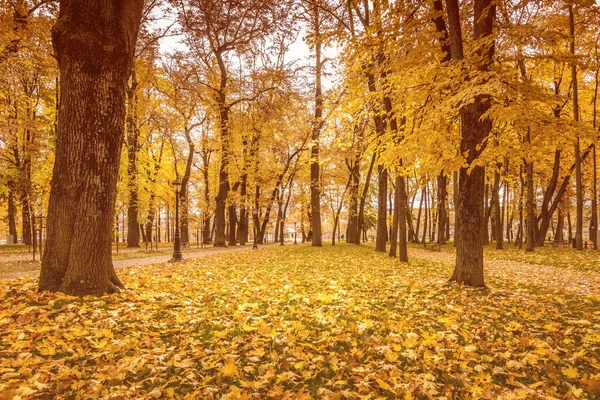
570,280
150,260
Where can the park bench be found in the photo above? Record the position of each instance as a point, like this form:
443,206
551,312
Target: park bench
433,246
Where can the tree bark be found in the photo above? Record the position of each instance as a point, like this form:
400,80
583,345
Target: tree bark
497,215
94,43
315,182
530,240
578,173
133,234
474,130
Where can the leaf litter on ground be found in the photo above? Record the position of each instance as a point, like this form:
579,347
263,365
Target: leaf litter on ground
300,322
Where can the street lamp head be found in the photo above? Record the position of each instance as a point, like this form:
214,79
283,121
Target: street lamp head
176,185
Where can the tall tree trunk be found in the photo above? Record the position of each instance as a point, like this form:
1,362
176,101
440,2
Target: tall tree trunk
232,225
425,198
419,218
315,182
497,217
474,130
442,195
223,192
363,198
396,218
352,235
12,212
94,44
560,226
133,235
381,238
530,240
578,174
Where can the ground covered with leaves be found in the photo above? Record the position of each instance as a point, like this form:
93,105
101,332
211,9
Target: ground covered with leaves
298,322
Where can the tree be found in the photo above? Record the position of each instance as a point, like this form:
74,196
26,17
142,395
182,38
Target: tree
94,44
475,127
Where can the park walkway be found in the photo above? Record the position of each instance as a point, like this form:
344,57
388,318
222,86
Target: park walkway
569,280
151,260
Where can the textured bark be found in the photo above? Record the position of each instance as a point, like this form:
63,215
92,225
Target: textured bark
381,238
396,219
578,173
497,217
402,213
12,212
315,183
442,217
184,193
530,238
474,130
223,191
560,226
133,133
94,44
352,235
363,198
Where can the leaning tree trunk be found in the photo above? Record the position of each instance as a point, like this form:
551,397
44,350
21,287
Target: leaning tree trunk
94,43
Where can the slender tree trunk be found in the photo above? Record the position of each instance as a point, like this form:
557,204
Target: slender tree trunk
315,183
442,195
424,194
578,174
419,218
560,226
12,212
497,218
530,241
363,198
396,218
133,235
94,44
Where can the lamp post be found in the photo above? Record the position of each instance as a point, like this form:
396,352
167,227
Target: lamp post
254,219
295,234
177,257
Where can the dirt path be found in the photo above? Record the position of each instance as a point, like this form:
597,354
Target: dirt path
149,260
565,279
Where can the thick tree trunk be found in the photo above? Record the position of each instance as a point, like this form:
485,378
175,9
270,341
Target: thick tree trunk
474,130
352,235
232,225
94,44
381,239
12,212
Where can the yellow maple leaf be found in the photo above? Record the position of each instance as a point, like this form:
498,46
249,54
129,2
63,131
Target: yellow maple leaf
229,368
570,372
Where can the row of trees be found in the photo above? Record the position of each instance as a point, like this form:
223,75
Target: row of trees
482,114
